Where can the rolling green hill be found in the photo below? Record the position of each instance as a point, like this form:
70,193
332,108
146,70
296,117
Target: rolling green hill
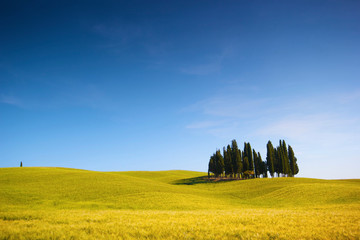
164,190
61,203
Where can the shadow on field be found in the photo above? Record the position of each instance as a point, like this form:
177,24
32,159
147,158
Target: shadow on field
199,180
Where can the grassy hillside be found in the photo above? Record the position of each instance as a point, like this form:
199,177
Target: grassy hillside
165,190
60,203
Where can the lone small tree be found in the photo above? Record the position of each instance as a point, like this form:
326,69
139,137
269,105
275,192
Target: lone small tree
20,164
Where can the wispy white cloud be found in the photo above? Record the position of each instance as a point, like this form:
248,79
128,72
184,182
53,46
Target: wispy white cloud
118,34
86,95
123,36
65,94
204,124
210,65
320,128
11,100
349,97
202,69
301,111
228,106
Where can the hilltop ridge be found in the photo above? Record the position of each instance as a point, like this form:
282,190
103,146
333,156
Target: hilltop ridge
64,188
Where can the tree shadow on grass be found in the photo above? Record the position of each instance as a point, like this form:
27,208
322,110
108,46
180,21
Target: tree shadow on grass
201,180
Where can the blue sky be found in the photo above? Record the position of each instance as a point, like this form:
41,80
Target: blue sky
140,85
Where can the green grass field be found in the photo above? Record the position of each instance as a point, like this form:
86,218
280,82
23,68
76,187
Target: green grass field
60,203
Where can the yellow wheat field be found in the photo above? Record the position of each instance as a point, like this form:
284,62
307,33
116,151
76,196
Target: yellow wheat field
42,204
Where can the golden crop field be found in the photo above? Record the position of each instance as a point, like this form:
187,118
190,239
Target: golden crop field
59,203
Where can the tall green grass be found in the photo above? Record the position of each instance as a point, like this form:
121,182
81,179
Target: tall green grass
60,203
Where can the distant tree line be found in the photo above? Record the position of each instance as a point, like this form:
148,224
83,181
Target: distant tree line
234,163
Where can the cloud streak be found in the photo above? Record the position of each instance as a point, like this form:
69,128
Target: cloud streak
321,128
204,124
210,65
11,100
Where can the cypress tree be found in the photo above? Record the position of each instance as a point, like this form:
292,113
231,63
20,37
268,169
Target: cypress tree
227,162
281,160
240,163
249,154
211,168
20,164
277,162
294,169
284,158
270,158
245,162
263,168
251,158
256,164
245,155
229,153
291,157
235,158
281,157
219,160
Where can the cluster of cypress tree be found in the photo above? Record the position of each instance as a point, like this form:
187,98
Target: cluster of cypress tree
234,163
281,160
